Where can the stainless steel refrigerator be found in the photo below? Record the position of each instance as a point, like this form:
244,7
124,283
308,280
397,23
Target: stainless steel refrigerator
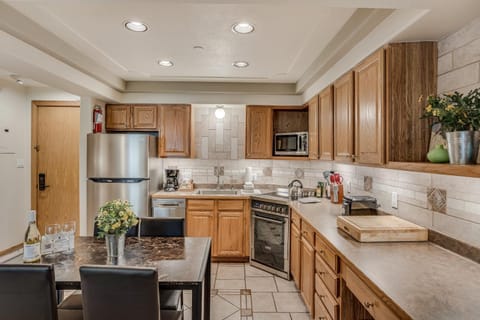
118,167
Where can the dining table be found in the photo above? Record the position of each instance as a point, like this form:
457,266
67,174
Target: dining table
183,263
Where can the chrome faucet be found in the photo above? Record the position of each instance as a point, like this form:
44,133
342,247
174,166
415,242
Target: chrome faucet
218,171
295,184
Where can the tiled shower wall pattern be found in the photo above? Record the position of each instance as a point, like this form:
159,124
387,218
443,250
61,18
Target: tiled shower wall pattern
219,138
461,219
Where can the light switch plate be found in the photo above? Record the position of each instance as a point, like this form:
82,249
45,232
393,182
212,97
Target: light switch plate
394,200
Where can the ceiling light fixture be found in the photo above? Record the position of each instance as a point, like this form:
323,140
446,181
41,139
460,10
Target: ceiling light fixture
240,64
136,26
165,63
198,47
243,28
219,112
19,81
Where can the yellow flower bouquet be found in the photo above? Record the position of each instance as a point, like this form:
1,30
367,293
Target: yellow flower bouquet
455,111
115,217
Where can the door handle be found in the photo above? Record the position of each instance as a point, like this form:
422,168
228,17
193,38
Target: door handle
41,182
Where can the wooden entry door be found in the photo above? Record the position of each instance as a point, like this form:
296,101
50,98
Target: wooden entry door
55,154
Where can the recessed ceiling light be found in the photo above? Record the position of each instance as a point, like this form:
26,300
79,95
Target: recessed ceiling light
198,48
19,81
136,26
240,64
165,63
243,28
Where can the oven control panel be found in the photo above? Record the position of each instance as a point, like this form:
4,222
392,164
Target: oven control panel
270,207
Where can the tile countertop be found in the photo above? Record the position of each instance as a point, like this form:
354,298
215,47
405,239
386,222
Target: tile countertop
423,279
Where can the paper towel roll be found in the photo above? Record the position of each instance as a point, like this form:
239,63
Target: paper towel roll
248,174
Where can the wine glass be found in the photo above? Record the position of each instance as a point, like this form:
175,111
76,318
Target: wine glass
68,230
51,234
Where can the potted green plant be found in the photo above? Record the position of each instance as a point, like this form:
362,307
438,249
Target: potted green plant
459,116
113,221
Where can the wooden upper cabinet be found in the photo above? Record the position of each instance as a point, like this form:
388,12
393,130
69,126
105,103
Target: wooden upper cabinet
411,70
259,132
131,117
174,131
325,124
118,117
370,109
313,128
144,117
343,118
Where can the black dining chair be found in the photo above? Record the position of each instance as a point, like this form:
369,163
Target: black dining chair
161,227
27,291
122,293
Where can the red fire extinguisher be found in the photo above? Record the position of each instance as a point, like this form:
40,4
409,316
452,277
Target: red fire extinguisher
97,119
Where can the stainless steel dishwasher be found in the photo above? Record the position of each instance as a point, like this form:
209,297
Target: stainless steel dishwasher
168,208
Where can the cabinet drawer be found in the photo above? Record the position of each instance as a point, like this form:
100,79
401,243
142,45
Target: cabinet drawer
200,204
329,278
296,219
369,299
308,232
230,204
320,312
328,301
326,253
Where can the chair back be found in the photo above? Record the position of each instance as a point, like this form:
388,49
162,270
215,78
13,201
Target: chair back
132,232
119,293
161,227
27,291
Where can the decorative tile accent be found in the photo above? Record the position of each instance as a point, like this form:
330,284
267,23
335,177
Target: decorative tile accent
299,173
267,171
367,183
437,200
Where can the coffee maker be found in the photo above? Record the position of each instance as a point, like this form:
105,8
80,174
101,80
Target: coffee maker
171,180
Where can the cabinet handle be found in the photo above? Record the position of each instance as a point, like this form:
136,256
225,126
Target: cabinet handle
368,304
321,252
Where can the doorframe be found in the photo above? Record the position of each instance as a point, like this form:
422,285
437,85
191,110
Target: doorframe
34,142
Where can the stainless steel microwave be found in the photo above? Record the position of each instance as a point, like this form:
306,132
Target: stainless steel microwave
291,144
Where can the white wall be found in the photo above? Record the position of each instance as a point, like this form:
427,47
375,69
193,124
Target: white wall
15,171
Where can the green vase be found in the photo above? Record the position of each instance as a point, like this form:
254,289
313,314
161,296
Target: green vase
438,155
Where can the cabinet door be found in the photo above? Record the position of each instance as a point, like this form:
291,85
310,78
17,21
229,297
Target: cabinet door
144,117
325,123
175,131
307,269
259,132
230,234
343,118
370,110
118,117
313,128
201,224
295,254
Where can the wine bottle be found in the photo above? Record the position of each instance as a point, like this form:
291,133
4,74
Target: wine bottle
31,244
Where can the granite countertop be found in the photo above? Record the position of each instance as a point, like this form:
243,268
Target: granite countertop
194,195
425,280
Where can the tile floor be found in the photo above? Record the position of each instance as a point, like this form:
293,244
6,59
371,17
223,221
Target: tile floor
271,297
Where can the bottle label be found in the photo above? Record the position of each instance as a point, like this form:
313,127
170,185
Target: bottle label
31,252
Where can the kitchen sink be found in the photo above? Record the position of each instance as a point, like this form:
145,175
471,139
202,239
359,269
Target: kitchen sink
217,192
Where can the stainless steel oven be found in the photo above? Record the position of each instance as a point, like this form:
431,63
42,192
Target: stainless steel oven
270,234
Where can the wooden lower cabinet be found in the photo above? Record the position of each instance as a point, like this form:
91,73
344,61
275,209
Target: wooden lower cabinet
295,254
222,220
307,267
230,234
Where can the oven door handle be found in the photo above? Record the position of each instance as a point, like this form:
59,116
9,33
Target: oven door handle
269,220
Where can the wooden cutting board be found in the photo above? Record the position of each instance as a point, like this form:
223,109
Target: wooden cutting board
381,229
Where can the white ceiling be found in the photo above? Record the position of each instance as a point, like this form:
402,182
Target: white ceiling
295,41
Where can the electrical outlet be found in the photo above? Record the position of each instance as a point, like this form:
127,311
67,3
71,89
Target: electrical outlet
394,200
